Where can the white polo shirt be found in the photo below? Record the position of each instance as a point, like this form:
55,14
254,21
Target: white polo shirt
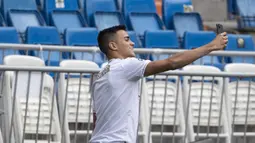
116,100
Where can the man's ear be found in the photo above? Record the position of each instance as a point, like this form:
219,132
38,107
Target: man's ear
113,46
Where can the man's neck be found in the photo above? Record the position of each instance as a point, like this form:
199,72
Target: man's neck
114,57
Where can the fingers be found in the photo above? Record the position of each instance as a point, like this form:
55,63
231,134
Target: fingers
224,34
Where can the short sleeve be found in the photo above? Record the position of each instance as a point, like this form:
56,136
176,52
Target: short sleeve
134,68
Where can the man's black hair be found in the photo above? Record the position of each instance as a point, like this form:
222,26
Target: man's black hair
106,35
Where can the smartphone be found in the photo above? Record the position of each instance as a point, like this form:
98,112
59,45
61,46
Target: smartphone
219,28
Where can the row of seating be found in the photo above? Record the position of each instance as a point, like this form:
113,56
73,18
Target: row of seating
100,14
169,99
88,37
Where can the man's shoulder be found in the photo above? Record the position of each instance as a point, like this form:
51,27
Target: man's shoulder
103,71
131,60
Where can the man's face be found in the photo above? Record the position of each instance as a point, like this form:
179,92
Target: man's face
124,44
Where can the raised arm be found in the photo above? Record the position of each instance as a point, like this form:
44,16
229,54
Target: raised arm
184,58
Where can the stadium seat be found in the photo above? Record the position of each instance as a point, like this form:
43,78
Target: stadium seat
7,5
50,6
169,8
246,13
138,6
21,14
205,103
152,21
139,12
183,22
35,101
83,37
240,95
63,15
161,39
78,102
165,115
103,13
21,19
45,36
59,20
108,19
248,45
196,39
8,35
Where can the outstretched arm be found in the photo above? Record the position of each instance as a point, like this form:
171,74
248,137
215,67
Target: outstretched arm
182,59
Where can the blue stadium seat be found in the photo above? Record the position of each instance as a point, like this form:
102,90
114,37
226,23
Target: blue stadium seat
8,35
141,12
102,13
183,22
234,46
141,22
21,19
196,39
67,19
246,12
138,6
21,14
169,8
161,39
63,16
50,5
7,5
108,19
45,36
83,37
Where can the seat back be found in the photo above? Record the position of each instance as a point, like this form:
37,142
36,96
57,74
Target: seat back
152,20
246,44
51,5
78,103
191,41
93,6
164,103
204,103
35,101
170,7
7,5
45,36
83,37
161,39
180,21
59,20
108,19
240,94
21,19
138,6
8,35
